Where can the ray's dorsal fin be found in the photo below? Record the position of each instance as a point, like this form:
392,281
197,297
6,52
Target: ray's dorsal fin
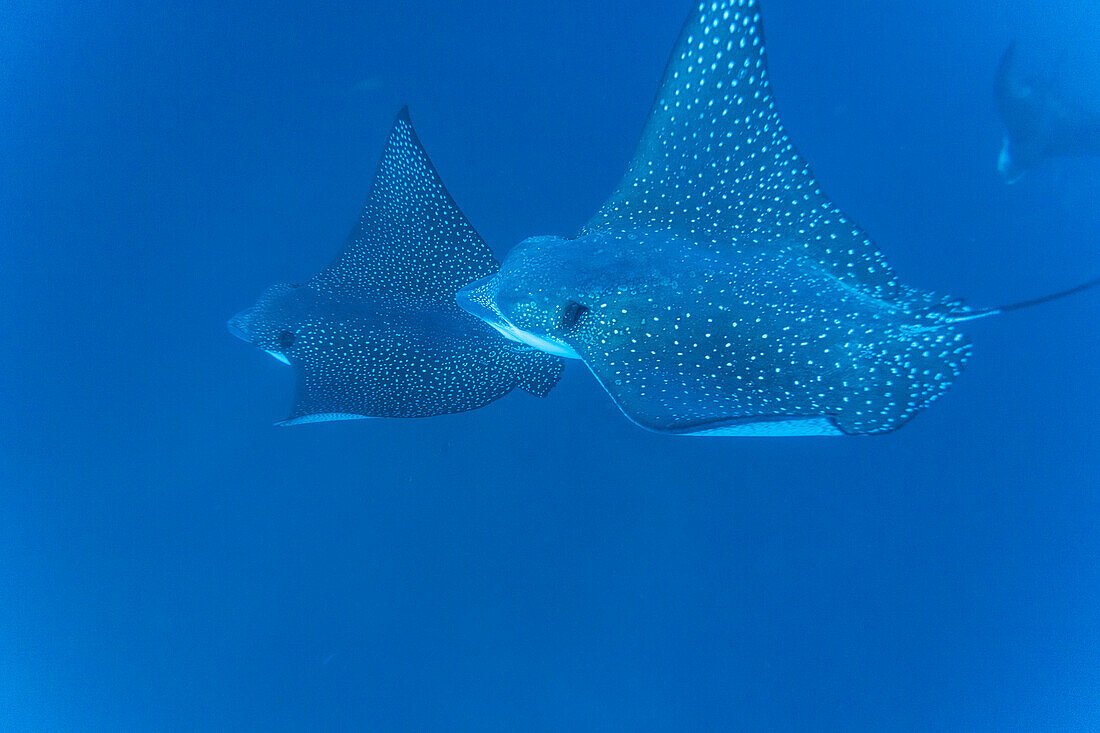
715,163
412,241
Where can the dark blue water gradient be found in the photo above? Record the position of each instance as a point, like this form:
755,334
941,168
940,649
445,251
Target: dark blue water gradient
169,561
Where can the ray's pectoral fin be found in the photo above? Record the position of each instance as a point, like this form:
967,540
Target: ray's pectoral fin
411,241
715,163
538,372
413,374
1078,134
688,411
1008,83
316,399
774,426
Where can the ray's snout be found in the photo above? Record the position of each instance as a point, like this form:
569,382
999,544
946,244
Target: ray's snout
482,300
238,325
1006,164
478,299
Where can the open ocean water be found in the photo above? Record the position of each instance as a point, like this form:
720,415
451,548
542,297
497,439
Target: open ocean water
170,561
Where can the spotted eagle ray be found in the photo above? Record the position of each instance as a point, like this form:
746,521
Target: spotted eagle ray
718,291
1039,122
377,333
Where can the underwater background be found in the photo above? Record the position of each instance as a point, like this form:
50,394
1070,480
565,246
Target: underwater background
171,561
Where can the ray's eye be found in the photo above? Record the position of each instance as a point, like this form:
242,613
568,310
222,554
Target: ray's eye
571,314
287,339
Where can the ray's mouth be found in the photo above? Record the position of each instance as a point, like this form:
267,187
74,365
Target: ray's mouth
1006,164
238,325
477,299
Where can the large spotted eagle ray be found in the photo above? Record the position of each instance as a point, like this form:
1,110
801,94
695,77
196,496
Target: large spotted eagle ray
718,291
378,333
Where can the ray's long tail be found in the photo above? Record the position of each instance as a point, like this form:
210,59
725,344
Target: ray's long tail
998,310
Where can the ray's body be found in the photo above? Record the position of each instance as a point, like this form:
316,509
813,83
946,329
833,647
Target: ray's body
378,332
1039,121
719,291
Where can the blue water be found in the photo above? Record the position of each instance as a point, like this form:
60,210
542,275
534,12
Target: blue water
170,561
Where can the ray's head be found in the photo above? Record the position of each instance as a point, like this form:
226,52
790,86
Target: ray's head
275,321
1020,152
553,293
536,298
1007,162
1025,107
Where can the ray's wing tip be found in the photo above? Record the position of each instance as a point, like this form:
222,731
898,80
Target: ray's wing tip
541,376
314,417
402,121
1006,82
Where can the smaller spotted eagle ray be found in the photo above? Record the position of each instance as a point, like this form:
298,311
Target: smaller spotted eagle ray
1039,121
718,291
378,333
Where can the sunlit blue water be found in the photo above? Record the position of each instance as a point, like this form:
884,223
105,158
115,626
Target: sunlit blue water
170,561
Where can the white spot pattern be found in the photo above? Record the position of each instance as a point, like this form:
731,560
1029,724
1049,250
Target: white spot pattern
412,240
721,292
377,333
715,163
690,340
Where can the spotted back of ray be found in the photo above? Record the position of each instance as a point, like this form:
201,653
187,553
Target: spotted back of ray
378,333
412,241
693,339
737,348
714,162
376,359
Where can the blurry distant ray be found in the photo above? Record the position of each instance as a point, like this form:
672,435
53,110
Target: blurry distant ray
719,291
368,85
377,333
1039,121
